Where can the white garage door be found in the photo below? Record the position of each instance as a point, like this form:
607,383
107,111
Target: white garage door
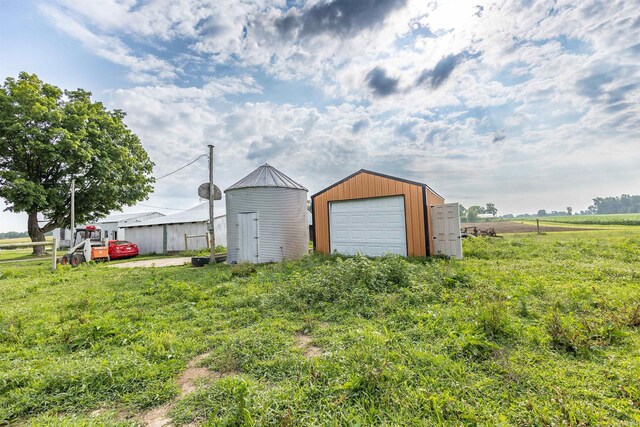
368,226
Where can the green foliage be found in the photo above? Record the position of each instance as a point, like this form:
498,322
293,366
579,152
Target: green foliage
48,136
616,205
350,285
491,209
610,219
526,330
13,235
242,270
473,212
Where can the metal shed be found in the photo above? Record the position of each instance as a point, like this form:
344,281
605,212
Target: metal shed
166,234
113,226
374,214
267,218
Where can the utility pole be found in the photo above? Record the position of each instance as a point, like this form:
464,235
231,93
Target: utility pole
73,211
212,231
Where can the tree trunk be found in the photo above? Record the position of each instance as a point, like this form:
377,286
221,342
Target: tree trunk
36,233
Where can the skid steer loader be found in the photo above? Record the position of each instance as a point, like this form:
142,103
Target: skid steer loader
86,245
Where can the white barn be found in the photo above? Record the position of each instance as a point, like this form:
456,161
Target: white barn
113,226
268,218
166,234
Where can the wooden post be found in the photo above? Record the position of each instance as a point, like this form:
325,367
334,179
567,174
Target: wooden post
186,242
54,263
538,225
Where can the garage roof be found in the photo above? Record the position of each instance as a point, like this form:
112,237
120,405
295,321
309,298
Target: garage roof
266,176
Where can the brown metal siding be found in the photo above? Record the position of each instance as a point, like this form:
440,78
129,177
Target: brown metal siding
365,185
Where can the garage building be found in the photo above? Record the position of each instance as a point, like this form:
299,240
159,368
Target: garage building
373,214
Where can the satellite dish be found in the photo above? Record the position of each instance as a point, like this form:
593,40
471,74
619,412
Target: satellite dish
203,191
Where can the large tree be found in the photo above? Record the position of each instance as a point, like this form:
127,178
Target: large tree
491,209
49,137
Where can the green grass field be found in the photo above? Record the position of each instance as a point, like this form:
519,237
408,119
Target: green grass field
526,330
612,219
18,253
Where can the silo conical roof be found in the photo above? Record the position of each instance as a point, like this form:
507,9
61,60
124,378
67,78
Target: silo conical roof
266,176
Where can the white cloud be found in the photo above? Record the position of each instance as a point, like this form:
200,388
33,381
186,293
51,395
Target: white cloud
517,77
142,68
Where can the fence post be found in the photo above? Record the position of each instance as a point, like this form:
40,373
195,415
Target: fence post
54,263
186,244
538,225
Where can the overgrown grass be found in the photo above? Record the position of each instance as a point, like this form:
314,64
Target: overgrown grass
526,330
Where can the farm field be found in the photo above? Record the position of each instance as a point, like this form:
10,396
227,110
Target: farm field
610,219
18,253
526,330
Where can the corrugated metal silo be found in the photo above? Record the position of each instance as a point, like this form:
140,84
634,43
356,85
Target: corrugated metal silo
266,218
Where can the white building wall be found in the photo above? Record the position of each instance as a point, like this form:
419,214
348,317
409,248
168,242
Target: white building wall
282,221
113,230
176,232
150,239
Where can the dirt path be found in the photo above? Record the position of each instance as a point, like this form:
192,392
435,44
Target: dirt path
160,262
159,416
303,342
188,382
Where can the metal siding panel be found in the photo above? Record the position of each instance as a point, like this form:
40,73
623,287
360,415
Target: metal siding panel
357,182
145,238
410,206
282,212
420,220
418,231
366,185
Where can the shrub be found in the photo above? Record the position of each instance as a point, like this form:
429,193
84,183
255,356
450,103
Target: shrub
346,283
581,335
242,270
471,344
494,320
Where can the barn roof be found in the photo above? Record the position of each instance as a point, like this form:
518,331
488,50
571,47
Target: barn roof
199,213
125,217
266,176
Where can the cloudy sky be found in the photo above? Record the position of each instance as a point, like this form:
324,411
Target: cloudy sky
527,104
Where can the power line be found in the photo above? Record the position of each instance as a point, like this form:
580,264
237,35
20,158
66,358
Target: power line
182,167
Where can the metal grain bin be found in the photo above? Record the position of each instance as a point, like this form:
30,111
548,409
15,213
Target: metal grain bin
266,218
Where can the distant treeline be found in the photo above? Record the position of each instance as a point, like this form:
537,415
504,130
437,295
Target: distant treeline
13,234
615,205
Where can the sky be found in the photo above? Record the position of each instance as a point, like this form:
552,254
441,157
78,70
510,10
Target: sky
526,104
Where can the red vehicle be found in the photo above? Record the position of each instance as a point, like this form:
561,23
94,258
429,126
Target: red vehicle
122,249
